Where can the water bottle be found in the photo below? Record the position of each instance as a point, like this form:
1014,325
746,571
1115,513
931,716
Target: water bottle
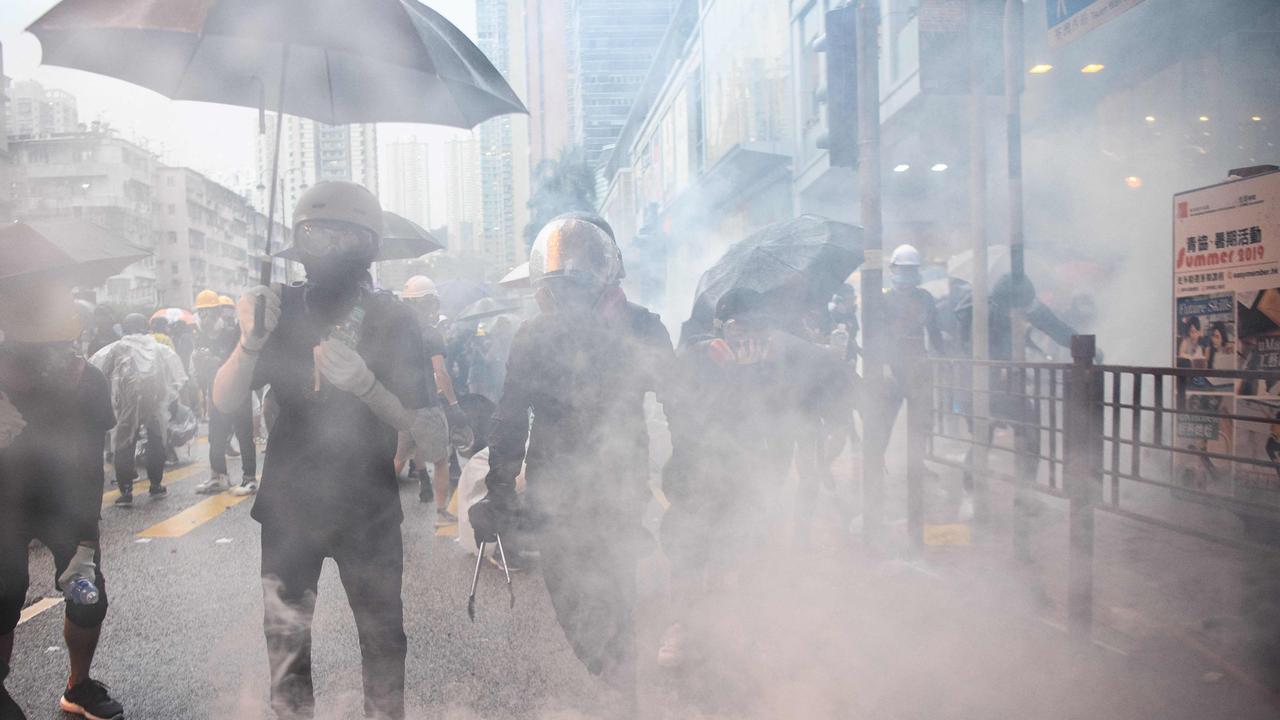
346,332
82,591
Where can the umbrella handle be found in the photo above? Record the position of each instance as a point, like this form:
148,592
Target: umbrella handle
260,308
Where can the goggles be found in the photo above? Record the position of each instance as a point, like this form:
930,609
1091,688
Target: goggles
325,238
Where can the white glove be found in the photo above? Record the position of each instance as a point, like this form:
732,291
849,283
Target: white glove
11,422
343,367
246,311
81,565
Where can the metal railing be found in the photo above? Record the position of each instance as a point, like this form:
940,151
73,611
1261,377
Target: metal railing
1175,448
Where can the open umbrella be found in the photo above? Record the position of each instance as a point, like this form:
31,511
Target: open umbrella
402,239
335,61
517,278
796,265
76,251
173,315
455,295
485,308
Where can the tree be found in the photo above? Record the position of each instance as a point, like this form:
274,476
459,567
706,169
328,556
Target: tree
565,184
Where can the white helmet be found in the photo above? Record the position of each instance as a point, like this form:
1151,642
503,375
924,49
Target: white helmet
905,256
419,286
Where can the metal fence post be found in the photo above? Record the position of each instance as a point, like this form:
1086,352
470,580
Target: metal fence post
1082,466
919,392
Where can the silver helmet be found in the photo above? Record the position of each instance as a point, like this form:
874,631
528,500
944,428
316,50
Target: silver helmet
575,249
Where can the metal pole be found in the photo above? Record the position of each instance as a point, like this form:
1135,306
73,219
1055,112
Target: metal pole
1013,69
265,270
868,21
919,419
1081,463
978,228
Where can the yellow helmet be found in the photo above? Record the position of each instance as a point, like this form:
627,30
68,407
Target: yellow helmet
226,301
206,299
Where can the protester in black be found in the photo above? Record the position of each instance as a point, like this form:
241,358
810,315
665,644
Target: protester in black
582,366
216,338
328,484
55,410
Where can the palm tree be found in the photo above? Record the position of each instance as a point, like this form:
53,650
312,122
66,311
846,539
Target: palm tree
565,184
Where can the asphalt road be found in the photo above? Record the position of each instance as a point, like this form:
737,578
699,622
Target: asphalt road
819,632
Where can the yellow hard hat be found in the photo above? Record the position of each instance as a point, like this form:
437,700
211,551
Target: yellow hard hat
226,301
206,299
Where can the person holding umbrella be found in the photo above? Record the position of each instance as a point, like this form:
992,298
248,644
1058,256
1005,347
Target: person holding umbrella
55,410
345,366
582,366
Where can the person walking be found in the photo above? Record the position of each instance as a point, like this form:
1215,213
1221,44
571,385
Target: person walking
345,368
145,377
581,367
55,410
216,339
442,415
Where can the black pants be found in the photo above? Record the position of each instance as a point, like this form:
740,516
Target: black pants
146,414
221,426
370,564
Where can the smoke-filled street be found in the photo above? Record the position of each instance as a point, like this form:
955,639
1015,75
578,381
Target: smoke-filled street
899,640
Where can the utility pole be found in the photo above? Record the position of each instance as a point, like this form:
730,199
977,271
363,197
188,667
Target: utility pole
978,226
1013,69
868,20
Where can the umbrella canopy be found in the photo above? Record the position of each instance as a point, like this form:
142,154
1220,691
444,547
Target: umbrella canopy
485,308
517,278
346,62
796,265
173,315
75,251
458,294
402,239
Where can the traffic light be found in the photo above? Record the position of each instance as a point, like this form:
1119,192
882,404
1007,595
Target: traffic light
842,86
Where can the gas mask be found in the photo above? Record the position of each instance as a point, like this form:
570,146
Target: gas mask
904,277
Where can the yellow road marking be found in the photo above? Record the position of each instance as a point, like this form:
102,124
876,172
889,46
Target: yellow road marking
38,607
661,497
952,534
170,477
447,530
193,517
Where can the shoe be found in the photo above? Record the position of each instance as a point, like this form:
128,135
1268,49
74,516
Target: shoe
248,486
158,491
89,699
445,518
671,649
125,500
214,485
232,452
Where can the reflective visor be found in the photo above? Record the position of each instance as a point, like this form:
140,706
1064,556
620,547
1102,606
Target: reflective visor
322,238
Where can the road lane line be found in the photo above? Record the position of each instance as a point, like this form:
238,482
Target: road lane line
38,607
170,477
193,517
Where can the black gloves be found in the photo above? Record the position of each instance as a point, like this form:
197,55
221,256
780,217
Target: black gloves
494,515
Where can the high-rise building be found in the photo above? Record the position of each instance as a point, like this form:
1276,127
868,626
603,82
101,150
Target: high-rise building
6,161
406,183
504,141
312,151
33,111
612,44
462,196
550,79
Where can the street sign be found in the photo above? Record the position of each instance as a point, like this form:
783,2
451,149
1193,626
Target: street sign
1070,19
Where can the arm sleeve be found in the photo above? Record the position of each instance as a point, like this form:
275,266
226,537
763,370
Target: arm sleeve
510,430
85,502
932,327
406,376
1043,319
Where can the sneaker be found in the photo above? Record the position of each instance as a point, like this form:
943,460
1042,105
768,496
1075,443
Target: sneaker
248,486
125,500
89,699
445,518
671,648
158,491
214,485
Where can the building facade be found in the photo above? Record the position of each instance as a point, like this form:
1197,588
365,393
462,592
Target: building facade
612,44
31,110
406,181
550,79
312,151
504,141
100,178
462,195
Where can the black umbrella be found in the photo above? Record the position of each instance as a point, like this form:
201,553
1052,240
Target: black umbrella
484,308
76,251
402,239
335,61
796,265
456,295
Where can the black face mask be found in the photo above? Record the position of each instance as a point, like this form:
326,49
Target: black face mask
333,283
